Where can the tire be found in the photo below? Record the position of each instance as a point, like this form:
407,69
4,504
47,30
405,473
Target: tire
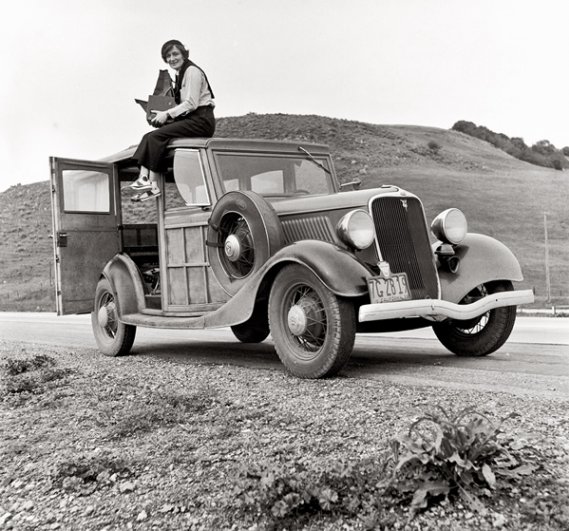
255,329
113,337
244,231
484,334
313,329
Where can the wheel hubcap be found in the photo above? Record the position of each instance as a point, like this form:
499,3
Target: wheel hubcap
232,248
297,320
103,316
305,319
107,315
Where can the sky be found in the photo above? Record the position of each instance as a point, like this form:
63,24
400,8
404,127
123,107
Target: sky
72,68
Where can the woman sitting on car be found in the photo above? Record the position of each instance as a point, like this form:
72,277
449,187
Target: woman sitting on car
191,117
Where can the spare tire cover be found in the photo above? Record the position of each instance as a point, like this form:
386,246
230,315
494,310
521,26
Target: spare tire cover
244,231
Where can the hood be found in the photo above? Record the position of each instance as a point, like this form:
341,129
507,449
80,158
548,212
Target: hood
341,200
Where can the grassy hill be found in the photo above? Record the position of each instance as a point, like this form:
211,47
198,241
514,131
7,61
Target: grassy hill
500,195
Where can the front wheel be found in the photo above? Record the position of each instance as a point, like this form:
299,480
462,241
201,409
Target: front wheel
113,337
313,329
484,334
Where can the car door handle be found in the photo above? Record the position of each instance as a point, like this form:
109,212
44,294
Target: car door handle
61,239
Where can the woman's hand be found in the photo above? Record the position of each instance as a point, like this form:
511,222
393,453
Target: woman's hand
160,118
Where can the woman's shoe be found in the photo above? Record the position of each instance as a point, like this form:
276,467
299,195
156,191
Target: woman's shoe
142,183
145,196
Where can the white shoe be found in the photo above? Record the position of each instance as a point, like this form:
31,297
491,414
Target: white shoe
145,196
142,183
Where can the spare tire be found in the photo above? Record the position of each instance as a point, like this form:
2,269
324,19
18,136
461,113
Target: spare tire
244,231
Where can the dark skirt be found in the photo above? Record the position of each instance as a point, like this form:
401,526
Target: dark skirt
151,151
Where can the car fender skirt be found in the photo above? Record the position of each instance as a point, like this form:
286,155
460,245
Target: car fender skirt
126,283
338,270
482,259
439,310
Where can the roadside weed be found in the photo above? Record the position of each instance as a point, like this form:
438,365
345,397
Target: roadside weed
287,493
83,474
24,378
445,454
144,412
13,367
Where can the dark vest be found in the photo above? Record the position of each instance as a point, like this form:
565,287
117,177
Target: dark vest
180,76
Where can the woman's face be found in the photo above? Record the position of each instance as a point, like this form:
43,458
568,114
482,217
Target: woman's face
174,58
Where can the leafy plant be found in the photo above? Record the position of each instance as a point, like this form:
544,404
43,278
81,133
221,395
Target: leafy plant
446,454
30,376
300,491
14,367
84,474
147,413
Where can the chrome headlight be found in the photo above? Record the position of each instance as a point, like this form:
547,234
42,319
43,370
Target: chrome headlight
356,229
450,226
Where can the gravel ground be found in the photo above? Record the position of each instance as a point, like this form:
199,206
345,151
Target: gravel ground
93,443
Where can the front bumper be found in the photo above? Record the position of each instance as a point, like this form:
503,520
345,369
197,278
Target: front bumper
439,310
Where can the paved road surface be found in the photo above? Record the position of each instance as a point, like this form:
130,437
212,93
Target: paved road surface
535,360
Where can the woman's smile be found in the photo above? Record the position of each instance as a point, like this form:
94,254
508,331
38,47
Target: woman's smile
175,59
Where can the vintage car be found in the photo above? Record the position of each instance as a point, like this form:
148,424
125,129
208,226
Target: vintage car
260,236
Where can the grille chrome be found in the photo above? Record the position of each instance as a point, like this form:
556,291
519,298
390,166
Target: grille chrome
312,228
403,241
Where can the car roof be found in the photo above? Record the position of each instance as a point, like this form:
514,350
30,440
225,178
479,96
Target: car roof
229,144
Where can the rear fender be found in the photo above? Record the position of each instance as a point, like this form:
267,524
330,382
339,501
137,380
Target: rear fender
127,284
482,259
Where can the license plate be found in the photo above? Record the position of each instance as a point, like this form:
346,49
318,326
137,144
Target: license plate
390,289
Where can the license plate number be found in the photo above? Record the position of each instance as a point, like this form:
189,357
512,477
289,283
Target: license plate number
391,289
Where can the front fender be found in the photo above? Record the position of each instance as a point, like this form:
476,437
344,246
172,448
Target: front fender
482,259
338,270
126,283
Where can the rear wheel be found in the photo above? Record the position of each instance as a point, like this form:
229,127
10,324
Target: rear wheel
113,337
313,329
484,334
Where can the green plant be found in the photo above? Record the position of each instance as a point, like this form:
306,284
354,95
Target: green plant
147,413
299,491
14,367
445,454
31,376
84,474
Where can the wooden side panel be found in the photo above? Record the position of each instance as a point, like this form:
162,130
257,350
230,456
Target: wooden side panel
191,284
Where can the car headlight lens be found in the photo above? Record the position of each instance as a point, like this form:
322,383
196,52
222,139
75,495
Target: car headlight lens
450,226
356,229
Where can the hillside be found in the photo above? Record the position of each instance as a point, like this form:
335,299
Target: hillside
501,196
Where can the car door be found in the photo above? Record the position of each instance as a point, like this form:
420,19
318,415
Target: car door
85,229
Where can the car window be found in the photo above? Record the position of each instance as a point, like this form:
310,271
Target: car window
85,191
273,175
190,178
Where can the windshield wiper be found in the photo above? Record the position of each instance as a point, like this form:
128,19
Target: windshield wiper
311,157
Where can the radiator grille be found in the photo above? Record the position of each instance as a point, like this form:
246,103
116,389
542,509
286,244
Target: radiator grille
312,228
404,242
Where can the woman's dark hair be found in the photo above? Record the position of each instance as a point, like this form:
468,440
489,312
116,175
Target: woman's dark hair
167,46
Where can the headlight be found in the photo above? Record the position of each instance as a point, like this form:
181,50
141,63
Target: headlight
356,229
450,226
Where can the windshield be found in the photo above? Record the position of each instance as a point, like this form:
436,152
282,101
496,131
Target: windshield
275,176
